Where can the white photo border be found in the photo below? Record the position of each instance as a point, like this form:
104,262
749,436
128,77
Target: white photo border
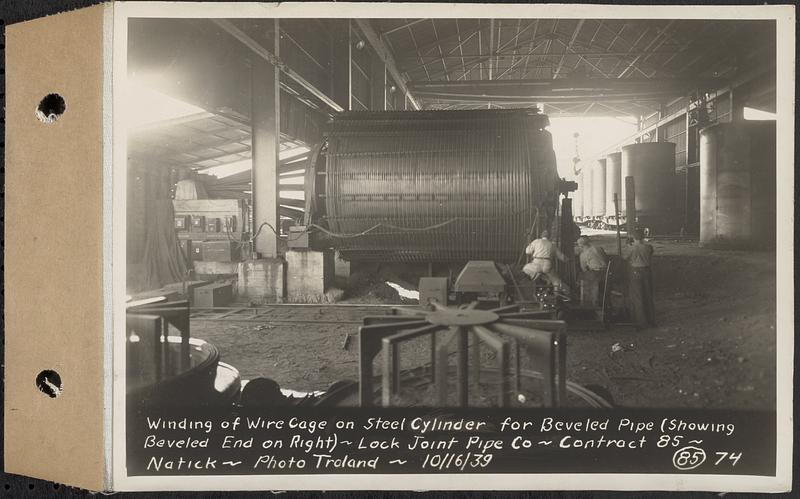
116,51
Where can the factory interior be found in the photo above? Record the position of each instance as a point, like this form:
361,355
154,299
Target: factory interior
451,212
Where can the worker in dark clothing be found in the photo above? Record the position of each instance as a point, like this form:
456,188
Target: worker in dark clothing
593,262
640,287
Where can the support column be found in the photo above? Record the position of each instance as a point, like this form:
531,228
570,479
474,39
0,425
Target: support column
692,222
265,99
736,102
349,65
262,279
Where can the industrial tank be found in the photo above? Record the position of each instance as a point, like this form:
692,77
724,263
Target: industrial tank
614,182
737,185
599,188
433,185
652,166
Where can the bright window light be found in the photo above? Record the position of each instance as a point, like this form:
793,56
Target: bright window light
146,106
757,115
223,171
293,195
293,152
596,133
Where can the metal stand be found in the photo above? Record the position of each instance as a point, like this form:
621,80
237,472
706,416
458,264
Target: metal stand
150,320
531,335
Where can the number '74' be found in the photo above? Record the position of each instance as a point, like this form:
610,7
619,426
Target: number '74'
733,457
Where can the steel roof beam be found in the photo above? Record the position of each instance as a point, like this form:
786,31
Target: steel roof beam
593,50
514,55
450,55
514,39
513,65
528,58
430,47
265,54
386,55
636,59
491,47
688,44
447,55
521,99
416,49
480,59
562,85
635,44
568,47
618,110
441,54
460,45
402,27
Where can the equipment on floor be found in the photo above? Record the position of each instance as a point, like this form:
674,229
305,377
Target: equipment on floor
182,223
515,338
528,350
218,294
433,289
166,370
504,357
198,223
222,222
480,280
212,225
221,251
298,237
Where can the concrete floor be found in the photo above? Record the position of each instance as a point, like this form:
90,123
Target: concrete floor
714,346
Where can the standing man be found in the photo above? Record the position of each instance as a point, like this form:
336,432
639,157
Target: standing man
593,262
542,252
641,281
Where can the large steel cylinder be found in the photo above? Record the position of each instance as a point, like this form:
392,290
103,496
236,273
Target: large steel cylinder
614,182
599,188
586,190
652,166
737,185
437,185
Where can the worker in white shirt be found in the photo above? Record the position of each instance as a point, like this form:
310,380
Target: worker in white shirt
593,262
542,252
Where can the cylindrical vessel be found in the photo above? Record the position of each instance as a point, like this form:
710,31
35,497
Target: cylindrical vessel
599,188
577,199
436,185
652,166
737,185
614,182
586,188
